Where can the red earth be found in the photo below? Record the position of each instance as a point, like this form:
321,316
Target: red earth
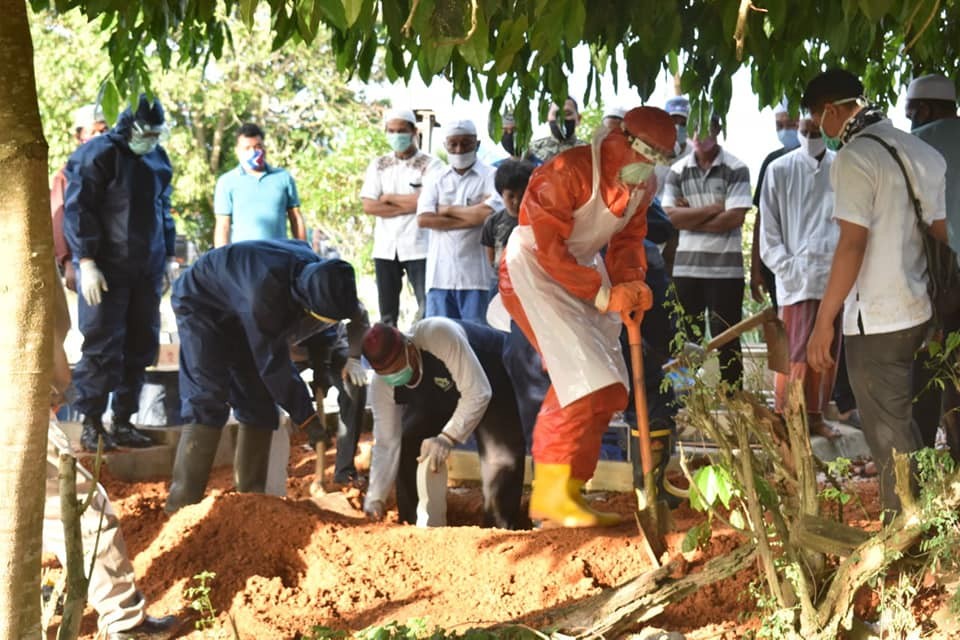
285,565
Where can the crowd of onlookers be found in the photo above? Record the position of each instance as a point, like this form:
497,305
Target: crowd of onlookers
844,208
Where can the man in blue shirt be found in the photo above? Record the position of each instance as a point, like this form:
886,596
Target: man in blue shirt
255,200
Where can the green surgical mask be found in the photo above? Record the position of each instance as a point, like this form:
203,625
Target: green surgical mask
834,143
399,378
400,142
831,142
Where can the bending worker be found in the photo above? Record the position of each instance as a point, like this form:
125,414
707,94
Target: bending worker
433,388
236,308
118,225
567,299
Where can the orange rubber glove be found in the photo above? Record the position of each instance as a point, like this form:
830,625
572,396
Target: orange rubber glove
626,297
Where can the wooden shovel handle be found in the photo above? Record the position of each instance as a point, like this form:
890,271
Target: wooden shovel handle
742,327
632,321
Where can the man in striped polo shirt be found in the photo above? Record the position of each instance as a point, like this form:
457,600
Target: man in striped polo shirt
707,195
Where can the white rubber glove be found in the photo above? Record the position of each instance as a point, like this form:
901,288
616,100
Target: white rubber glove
353,372
436,450
173,269
92,282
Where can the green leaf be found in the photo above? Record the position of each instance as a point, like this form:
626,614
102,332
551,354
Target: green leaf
334,13
248,10
351,9
697,537
576,16
875,9
109,100
476,50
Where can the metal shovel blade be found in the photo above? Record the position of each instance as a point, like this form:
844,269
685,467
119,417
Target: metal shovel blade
778,347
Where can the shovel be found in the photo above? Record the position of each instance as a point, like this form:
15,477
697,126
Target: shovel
652,513
336,501
774,335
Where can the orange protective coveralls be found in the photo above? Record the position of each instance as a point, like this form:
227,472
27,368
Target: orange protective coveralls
549,277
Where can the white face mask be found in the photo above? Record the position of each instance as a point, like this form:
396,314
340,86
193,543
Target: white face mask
462,160
812,146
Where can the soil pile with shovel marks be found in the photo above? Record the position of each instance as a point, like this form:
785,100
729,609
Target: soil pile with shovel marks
285,565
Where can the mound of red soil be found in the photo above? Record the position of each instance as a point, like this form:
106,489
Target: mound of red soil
285,565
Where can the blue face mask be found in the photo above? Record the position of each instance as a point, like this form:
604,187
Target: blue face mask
788,138
256,160
400,142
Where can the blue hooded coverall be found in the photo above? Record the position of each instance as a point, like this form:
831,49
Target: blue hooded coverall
237,308
117,212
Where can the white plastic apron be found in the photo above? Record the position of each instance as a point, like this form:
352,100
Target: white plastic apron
580,346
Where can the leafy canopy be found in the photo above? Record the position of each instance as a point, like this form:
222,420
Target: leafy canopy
519,51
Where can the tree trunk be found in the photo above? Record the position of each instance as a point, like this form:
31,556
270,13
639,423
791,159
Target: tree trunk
26,357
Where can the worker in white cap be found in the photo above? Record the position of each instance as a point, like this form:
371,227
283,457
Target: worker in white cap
932,110
678,108
762,280
613,116
391,187
88,121
454,204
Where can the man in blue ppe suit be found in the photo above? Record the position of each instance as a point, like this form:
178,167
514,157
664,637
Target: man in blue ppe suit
238,308
118,225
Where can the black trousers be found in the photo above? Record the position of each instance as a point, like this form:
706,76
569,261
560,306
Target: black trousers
500,444
724,298
328,355
389,275
933,406
842,392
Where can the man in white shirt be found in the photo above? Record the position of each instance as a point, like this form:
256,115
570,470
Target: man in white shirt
797,240
433,389
453,205
932,110
878,275
389,193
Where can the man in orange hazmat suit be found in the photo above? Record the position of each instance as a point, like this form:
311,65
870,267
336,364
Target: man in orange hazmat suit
568,299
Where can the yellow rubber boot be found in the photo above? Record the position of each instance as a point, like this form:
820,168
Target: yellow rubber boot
555,499
604,518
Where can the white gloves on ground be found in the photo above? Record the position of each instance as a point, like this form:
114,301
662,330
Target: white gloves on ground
435,451
172,270
353,372
92,282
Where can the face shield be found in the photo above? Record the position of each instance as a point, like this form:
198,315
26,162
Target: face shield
144,137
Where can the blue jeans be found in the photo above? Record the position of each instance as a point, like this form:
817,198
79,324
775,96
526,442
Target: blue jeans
458,304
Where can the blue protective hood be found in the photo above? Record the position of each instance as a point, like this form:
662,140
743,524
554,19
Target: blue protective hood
328,288
147,112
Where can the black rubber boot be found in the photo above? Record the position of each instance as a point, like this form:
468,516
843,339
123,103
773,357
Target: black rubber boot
191,467
150,629
127,435
92,431
251,458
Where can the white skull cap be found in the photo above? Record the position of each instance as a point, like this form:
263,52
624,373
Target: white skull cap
459,128
932,87
87,115
614,112
400,114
